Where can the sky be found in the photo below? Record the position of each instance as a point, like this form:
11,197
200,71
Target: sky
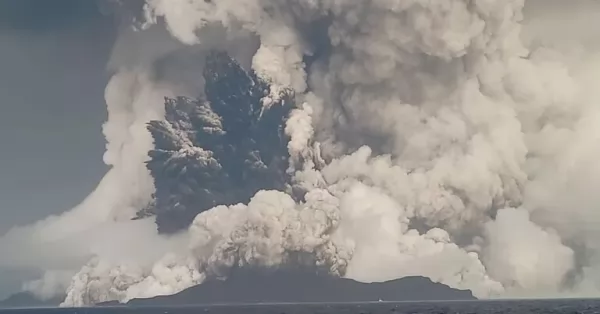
52,79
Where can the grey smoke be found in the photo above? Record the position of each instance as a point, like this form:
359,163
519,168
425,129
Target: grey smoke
218,150
470,160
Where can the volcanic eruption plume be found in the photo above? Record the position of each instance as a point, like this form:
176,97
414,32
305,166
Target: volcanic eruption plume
374,139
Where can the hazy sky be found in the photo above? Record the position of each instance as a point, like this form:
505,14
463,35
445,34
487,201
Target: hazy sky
52,78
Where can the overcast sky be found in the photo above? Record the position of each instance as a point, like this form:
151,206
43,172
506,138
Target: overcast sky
52,78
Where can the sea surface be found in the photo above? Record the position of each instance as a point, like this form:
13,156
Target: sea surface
570,306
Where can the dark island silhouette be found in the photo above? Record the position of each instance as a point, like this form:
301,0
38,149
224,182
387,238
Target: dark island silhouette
252,286
302,286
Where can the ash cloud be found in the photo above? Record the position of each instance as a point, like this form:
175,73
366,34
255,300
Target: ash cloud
217,151
448,139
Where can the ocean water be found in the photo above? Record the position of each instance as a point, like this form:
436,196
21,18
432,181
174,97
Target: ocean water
571,306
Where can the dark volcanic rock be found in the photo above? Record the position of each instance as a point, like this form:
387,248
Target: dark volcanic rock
263,286
220,150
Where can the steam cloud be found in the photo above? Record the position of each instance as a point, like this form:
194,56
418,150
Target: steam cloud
449,139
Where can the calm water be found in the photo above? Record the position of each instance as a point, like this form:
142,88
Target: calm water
483,307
